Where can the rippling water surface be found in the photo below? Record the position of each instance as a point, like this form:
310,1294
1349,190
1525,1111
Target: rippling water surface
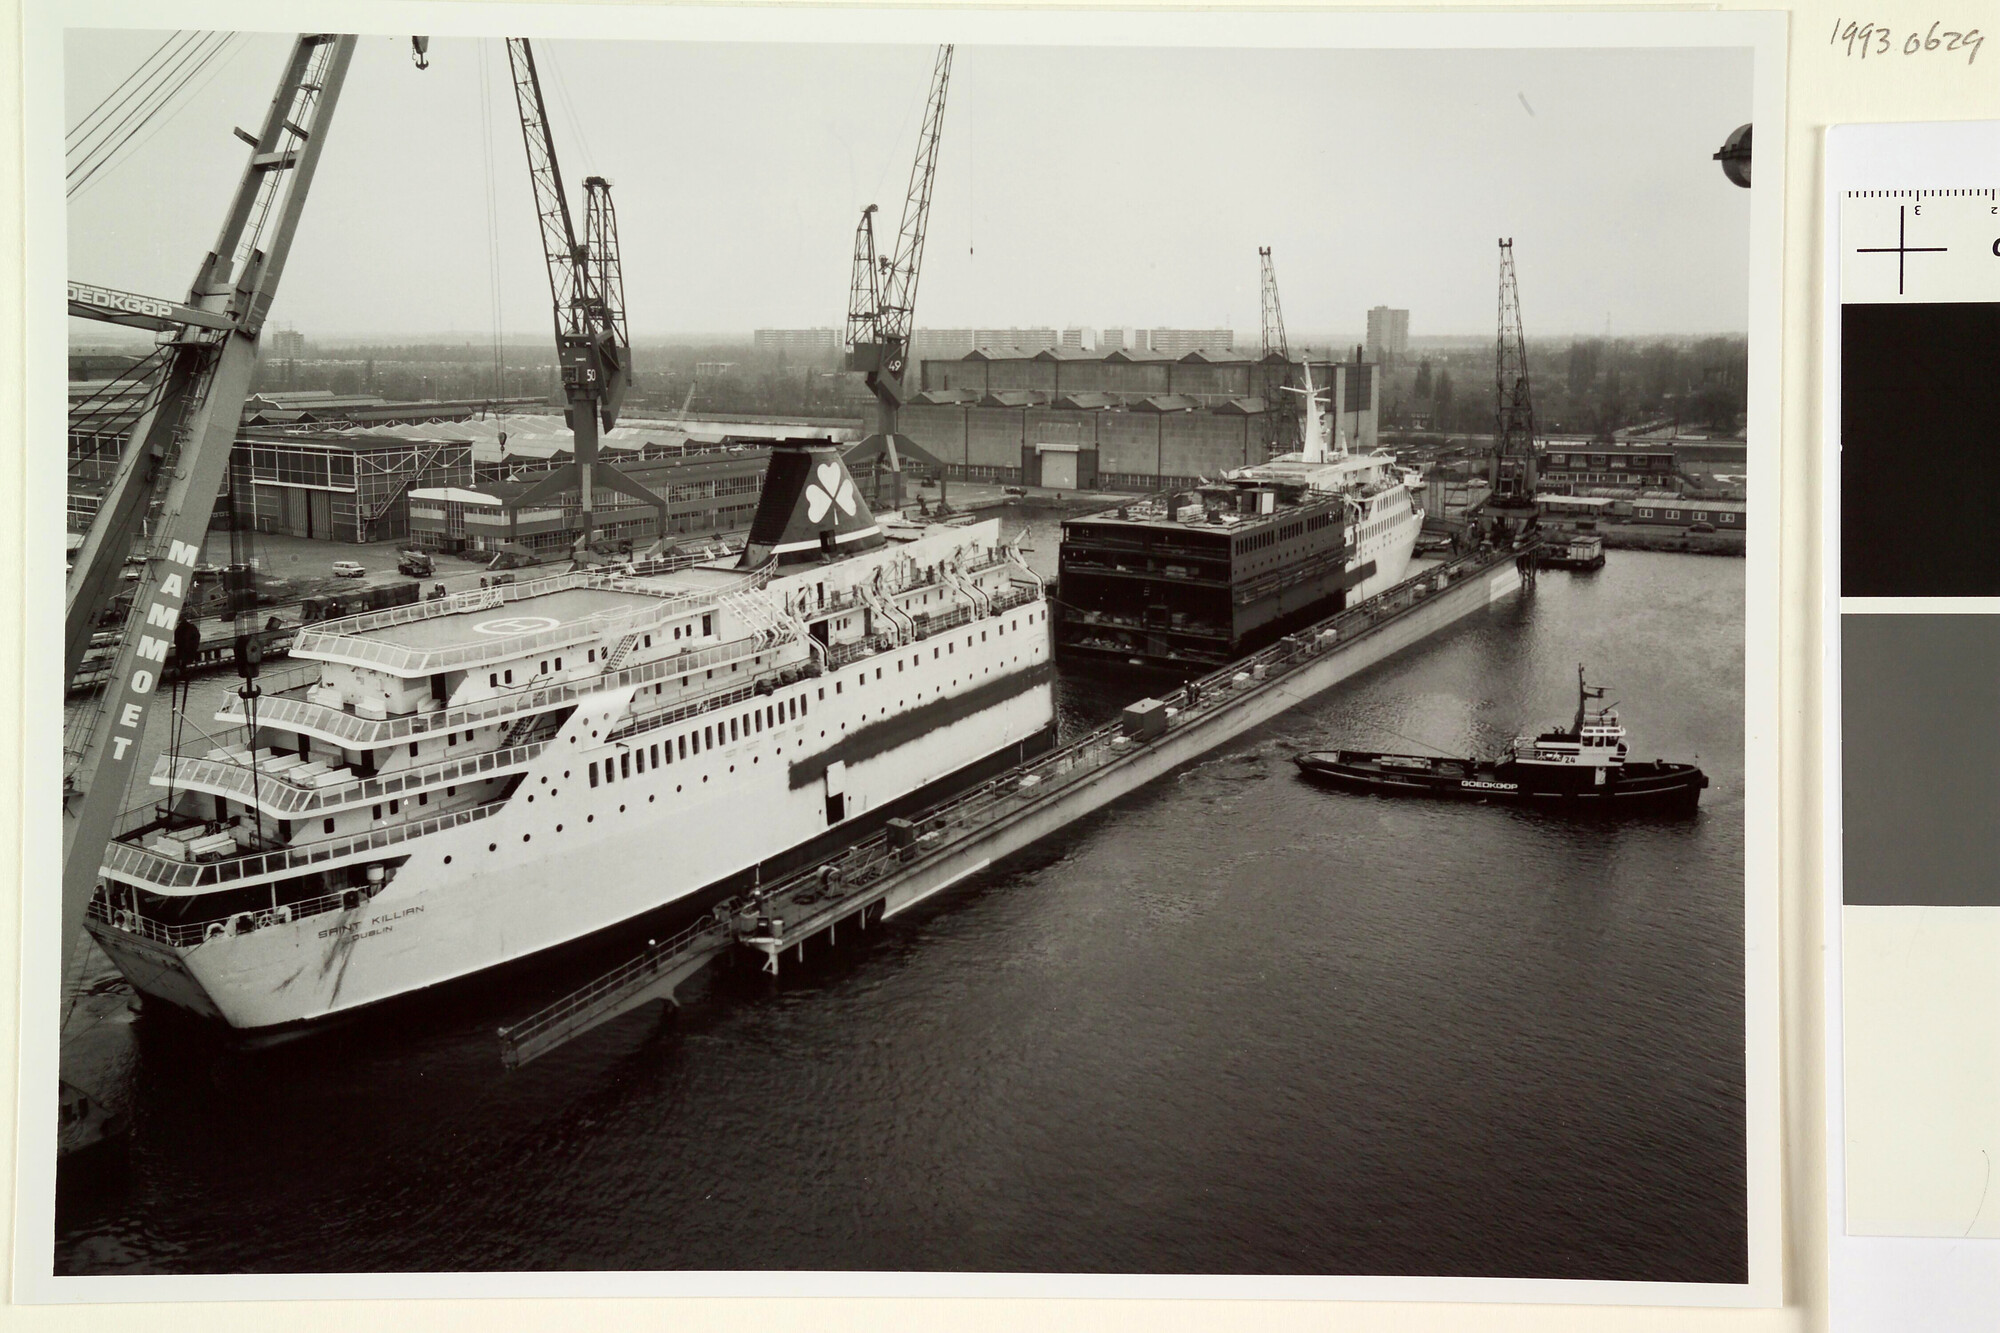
1235,1024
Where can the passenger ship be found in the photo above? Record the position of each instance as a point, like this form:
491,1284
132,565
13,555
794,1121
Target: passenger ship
1383,516
475,779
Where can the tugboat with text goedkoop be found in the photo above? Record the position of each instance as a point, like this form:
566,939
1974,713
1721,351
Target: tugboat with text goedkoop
1581,767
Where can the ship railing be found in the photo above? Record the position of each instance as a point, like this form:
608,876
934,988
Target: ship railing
337,640
479,599
187,934
339,724
654,721
840,654
131,862
274,795
335,646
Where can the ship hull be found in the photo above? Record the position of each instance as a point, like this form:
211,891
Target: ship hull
173,976
567,860
1637,787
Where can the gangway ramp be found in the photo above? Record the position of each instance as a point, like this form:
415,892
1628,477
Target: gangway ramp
651,976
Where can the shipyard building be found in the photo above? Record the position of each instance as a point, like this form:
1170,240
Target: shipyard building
1124,420
707,494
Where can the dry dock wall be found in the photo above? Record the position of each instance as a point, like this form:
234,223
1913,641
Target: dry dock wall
1256,702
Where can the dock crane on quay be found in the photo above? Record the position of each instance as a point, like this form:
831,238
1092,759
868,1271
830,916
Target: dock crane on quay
882,298
587,288
172,467
1509,506
1276,349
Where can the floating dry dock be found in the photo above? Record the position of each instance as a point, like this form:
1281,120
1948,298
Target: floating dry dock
912,859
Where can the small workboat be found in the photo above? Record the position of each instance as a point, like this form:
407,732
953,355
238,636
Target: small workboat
1583,766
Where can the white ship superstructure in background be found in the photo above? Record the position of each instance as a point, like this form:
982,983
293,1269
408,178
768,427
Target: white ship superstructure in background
471,780
1383,517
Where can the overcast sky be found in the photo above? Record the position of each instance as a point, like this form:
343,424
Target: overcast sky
1075,186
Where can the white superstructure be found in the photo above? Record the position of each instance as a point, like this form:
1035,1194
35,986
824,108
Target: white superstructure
1383,516
466,781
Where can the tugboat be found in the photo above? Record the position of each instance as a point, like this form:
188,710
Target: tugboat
1581,767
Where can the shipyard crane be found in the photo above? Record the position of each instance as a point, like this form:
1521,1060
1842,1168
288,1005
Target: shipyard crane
1511,469
1277,354
177,454
882,298
587,289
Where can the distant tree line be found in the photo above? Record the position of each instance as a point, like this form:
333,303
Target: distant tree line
1587,386
725,377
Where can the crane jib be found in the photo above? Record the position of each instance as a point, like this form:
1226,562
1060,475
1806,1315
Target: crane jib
163,612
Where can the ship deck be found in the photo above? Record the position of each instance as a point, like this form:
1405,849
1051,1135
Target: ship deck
475,627
549,611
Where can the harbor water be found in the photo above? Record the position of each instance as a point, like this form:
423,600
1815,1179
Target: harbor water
1233,1024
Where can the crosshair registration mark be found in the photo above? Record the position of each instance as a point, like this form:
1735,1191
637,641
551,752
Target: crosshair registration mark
1902,248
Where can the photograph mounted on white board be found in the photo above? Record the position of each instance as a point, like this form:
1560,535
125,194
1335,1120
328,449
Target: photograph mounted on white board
602,733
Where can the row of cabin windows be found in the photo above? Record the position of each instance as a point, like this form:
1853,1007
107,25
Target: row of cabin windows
949,647
693,741
495,679
395,808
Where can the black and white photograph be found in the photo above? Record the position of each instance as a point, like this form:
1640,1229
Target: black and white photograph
796,652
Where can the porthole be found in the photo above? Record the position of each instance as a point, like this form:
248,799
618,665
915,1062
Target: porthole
447,860
492,846
590,819
649,800
526,836
621,809
559,828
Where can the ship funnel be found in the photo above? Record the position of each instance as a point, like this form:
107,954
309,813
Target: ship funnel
810,508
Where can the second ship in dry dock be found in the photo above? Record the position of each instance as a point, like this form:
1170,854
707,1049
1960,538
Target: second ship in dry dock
1193,579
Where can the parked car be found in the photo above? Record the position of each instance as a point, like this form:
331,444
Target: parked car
1701,527
347,569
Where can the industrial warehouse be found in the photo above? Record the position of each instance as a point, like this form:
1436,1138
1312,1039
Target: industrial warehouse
1124,421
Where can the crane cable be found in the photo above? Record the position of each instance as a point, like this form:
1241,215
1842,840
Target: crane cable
105,152
548,62
492,225
83,126
96,144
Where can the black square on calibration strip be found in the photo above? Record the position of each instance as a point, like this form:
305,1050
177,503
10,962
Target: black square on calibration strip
1920,450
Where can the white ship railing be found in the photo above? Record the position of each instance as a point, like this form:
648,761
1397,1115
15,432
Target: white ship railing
187,934
134,864
338,641
274,795
338,724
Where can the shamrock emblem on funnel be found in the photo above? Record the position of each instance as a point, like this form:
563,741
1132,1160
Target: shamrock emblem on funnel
832,486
